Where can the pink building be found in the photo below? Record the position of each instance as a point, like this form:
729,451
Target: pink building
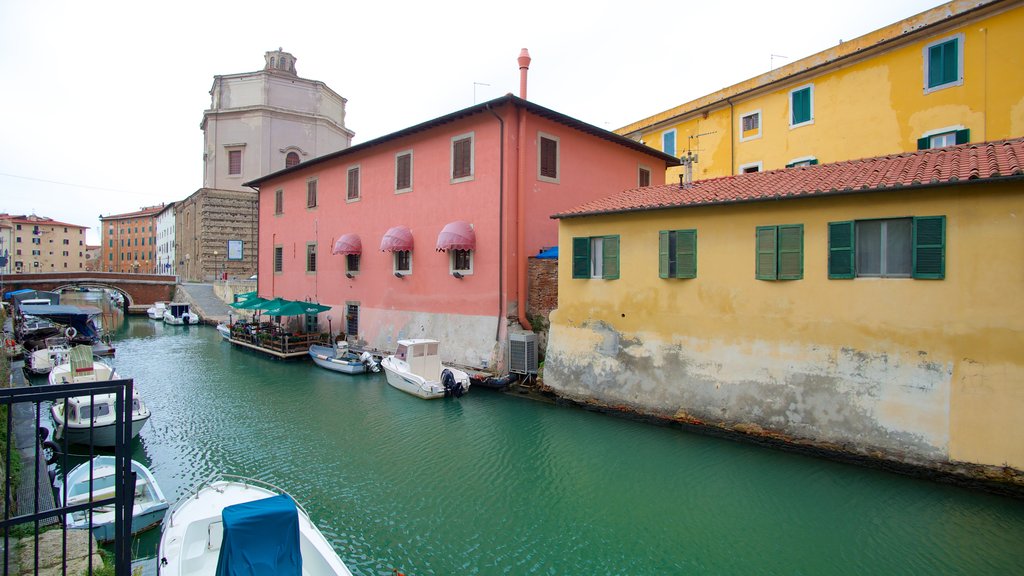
426,232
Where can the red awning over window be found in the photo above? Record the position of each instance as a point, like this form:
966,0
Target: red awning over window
456,235
348,244
396,239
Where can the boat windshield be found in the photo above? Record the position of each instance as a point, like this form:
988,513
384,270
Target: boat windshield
402,352
101,410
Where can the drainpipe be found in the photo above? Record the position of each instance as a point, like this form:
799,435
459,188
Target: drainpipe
521,223
501,223
732,140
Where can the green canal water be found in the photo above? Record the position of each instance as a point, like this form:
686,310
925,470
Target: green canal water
499,484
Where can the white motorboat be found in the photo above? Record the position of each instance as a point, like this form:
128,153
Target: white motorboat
150,504
54,352
178,314
92,416
225,330
234,521
156,311
416,368
341,359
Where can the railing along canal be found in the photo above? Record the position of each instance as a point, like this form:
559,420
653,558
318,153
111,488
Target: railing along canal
25,404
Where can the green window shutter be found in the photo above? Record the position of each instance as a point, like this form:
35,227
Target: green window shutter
935,66
840,250
791,252
686,253
801,104
610,263
663,254
814,161
581,257
963,136
767,257
923,143
791,164
950,65
930,247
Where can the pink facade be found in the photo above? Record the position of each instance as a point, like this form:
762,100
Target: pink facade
505,198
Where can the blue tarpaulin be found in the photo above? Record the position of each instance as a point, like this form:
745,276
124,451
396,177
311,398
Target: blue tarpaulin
22,291
549,254
261,538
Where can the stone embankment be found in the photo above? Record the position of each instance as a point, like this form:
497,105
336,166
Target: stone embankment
204,301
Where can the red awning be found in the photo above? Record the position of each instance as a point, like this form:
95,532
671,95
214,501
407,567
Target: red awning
396,239
456,235
348,244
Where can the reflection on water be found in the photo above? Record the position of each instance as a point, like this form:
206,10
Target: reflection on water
495,484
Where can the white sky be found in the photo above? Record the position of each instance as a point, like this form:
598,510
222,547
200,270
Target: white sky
101,102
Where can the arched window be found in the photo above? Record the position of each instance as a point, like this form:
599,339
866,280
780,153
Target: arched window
272,63
291,160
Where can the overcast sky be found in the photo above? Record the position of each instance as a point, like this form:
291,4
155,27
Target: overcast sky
101,101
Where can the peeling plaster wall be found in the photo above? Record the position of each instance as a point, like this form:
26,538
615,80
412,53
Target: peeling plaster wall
465,340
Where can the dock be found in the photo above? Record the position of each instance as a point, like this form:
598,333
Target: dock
286,353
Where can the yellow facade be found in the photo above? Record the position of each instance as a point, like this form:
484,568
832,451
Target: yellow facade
41,245
923,371
869,97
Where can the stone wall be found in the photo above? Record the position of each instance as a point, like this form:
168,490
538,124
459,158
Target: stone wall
204,222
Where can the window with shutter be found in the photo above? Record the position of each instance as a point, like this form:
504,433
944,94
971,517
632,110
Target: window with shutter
750,126
353,184
595,257
668,142
278,259
779,252
311,194
234,162
581,257
801,106
677,254
548,158
943,63
644,177
610,257
840,250
887,248
929,247
462,158
403,172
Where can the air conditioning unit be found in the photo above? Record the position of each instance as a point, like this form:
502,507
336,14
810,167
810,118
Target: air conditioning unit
522,353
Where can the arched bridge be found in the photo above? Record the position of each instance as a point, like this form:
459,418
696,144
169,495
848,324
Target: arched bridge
140,290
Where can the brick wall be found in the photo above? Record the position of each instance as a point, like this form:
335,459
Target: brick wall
542,297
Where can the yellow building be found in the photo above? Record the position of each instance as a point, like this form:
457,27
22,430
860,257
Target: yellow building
40,244
947,76
869,307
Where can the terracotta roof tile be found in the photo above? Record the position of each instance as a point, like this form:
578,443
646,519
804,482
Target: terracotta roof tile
982,161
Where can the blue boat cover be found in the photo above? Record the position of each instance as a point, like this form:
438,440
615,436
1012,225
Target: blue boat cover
549,254
261,538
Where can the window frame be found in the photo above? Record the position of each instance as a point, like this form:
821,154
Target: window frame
960,134
311,264
759,125
289,155
541,137
802,161
312,192
232,152
453,179
395,257
926,62
349,270
453,256
349,197
403,189
675,141
610,257
742,168
667,259
640,175
278,262
810,105
927,245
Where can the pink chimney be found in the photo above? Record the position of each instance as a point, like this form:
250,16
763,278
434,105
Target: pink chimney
524,67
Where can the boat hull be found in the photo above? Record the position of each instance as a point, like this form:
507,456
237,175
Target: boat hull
105,435
323,357
149,504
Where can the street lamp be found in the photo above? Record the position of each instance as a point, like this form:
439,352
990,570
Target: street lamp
215,261
136,266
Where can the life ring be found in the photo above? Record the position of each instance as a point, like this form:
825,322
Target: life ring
70,332
50,451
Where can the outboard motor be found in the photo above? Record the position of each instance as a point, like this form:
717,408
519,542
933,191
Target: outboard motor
452,387
367,359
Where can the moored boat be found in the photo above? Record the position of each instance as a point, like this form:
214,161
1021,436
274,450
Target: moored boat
91,418
341,359
225,330
178,314
53,353
156,311
149,502
233,521
416,368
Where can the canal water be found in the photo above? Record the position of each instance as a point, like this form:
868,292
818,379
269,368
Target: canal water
499,484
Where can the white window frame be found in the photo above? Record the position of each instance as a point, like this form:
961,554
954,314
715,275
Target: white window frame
941,132
926,62
228,149
597,257
558,158
760,124
411,161
316,185
742,167
316,258
451,263
790,111
394,263
675,142
801,161
472,157
359,183
650,175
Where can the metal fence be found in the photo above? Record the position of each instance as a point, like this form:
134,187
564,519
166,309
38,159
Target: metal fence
26,416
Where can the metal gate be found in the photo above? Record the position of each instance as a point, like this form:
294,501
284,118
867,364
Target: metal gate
26,407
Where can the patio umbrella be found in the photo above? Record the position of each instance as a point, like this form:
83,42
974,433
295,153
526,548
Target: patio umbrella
298,308
245,296
269,305
251,304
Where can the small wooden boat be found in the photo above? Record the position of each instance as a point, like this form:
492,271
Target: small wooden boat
416,368
225,331
229,521
341,359
149,502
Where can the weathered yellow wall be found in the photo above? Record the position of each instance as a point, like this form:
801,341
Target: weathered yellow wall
870,107
923,370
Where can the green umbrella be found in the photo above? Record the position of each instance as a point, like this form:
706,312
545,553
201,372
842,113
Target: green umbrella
245,296
269,305
297,309
251,304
